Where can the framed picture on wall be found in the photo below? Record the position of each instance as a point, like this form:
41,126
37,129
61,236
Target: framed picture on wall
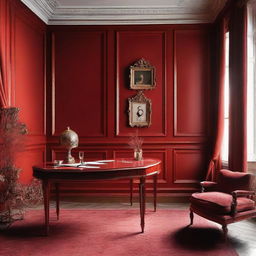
142,75
140,109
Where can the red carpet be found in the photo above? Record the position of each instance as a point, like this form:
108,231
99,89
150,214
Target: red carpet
114,232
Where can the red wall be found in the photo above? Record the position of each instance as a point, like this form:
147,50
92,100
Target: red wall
89,92
28,83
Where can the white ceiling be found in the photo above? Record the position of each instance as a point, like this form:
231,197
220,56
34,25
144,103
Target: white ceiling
108,12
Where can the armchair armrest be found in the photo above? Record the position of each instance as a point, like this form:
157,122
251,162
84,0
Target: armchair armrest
239,193
207,185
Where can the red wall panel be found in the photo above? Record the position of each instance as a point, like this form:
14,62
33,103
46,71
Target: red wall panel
191,62
28,51
189,165
80,82
132,46
29,72
32,156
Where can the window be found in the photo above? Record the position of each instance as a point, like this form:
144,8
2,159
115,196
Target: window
251,88
226,102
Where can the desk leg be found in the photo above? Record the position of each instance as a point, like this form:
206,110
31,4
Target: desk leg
142,203
155,190
46,192
57,189
131,191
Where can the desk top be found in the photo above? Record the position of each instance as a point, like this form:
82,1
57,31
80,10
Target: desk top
114,168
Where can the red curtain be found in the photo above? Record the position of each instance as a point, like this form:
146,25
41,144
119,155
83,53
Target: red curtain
215,161
238,87
5,53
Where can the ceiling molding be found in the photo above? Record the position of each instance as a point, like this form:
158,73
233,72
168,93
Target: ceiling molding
52,12
43,9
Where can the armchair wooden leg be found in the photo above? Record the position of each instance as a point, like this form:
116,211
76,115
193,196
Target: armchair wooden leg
225,231
191,218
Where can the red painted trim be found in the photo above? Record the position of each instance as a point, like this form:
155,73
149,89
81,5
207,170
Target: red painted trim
53,83
117,34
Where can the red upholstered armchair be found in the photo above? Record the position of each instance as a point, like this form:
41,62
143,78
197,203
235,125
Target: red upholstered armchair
228,200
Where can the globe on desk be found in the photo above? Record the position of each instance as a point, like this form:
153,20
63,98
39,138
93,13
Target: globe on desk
69,140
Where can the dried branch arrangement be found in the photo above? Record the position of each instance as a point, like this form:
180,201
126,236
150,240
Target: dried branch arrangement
135,142
13,195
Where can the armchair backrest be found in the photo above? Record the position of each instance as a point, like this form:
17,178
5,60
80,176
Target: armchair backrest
228,181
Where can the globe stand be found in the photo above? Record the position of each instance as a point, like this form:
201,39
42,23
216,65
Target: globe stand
69,158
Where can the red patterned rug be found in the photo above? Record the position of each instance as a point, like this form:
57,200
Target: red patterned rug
114,233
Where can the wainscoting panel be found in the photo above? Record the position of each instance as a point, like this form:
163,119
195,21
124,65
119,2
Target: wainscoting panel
79,86
189,166
191,82
28,74
28,85
33,155
132,46
89,155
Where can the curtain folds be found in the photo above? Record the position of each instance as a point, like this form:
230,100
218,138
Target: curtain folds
215,162
236,21
5,53
238,88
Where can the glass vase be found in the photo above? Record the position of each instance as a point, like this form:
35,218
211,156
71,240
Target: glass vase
138,154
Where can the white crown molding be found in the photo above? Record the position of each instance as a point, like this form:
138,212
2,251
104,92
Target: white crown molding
52,13
116,16
43,9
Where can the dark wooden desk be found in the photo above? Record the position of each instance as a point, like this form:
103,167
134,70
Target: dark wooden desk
117,169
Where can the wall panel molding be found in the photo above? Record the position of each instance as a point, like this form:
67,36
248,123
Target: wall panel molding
122,82
89,154
191,81
85,73
33,155
189,166
28,44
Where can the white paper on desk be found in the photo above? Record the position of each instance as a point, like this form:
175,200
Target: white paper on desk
93,162
105,161
69,165
87,166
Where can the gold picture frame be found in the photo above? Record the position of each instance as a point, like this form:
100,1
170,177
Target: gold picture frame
142,76
140,109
